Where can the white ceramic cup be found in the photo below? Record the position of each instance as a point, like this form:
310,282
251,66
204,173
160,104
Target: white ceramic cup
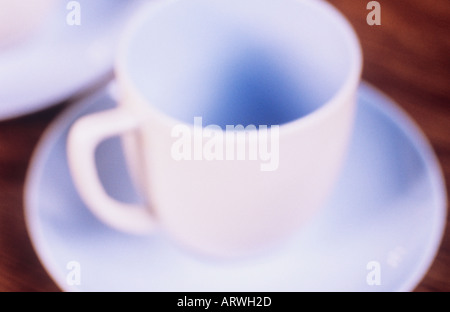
291,65
19,19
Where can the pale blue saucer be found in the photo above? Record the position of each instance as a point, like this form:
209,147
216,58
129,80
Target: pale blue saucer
379,232
62,60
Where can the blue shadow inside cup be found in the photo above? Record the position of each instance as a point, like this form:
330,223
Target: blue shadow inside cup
231,63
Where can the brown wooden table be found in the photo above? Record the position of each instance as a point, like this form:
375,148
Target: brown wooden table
407,56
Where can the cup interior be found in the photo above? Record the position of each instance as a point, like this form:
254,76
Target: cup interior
240,62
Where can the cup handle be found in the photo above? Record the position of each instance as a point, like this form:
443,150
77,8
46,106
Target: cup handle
84,136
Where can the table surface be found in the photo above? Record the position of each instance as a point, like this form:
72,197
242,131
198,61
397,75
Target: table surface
407,56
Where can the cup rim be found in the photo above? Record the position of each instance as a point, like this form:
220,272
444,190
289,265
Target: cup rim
347,88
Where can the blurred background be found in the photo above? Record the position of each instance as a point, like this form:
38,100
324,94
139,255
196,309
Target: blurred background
407,57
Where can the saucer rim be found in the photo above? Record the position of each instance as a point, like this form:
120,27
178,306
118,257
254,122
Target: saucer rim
404,122
384,104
